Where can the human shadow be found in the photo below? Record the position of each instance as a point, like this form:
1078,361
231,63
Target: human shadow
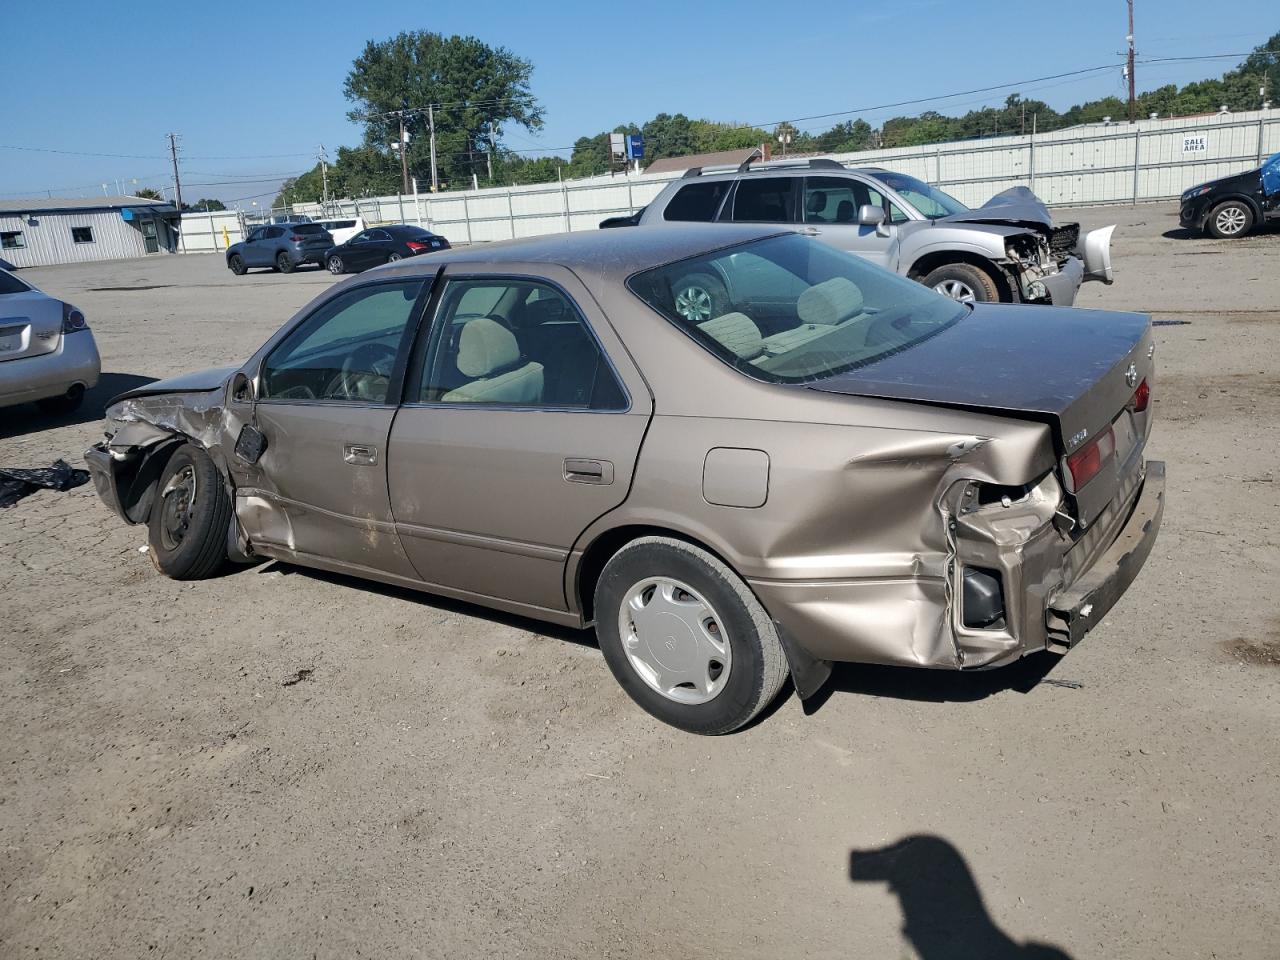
28,418
944,917
936,686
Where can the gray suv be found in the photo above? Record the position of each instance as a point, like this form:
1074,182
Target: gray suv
1009,250
280,247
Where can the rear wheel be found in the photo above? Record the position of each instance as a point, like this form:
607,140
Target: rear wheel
284,264
67,403
393,257
963,282
190,516
1230,220
336,266
236,263
685,637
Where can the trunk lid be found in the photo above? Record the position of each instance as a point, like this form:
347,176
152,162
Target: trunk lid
1069,368
30,325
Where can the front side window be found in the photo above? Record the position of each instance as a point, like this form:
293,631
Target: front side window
82,234
763,200
837,199
697,202
930,201
346,350
829,311
515,342
12,240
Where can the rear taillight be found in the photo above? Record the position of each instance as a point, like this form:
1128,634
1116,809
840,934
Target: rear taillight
1085,463
1141,398
72,319
417,247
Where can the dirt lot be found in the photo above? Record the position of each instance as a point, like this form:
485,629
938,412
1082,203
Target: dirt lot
451,783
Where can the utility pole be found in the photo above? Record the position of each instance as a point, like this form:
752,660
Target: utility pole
489,155
431,122
324,179
1133,107
404,156
177,183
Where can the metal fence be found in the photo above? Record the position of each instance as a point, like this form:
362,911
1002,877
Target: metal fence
1092,164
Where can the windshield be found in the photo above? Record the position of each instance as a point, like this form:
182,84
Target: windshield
792,310
930,201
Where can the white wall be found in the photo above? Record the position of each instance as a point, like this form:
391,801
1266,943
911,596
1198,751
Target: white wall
1091,164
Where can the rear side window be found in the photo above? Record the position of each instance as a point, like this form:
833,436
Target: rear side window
274,232
763,200
697,202
11,284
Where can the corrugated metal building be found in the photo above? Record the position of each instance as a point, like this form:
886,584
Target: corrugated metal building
37,233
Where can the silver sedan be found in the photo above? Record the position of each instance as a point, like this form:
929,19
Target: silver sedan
47,352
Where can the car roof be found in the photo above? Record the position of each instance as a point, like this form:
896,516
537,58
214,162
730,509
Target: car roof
610,254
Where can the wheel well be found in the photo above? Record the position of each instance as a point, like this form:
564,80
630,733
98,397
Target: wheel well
1237,198
141,487
932,261
610,542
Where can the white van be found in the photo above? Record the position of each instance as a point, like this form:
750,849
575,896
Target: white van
342,230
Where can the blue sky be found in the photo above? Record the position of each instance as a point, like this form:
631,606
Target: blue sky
254,92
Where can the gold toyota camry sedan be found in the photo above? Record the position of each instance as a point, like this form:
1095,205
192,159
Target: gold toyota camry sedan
739,454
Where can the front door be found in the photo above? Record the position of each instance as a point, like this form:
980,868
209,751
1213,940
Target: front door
149,240
325,405
831,206
522,423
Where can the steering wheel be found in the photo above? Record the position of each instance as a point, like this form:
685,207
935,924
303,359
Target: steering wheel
371,362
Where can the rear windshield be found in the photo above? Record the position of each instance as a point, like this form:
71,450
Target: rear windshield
11,284
340,224
307,229
792,310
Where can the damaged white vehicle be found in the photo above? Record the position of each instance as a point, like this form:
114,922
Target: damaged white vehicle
1009,250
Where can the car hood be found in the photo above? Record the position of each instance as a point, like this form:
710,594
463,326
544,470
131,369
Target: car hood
1246,180
1017,205
201,381
1057,365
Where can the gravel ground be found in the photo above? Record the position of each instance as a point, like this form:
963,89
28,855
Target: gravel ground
446,782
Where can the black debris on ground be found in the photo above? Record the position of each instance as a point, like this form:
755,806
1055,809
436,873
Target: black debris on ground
18,483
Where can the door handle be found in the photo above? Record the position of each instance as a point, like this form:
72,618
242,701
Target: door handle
360,454
588,471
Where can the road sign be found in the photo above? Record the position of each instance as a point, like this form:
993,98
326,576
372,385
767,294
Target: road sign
635,146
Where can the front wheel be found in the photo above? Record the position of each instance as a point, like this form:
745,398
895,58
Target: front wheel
336,266
236,263
284,264
963,282
700,297
1230,220
190,516
685,637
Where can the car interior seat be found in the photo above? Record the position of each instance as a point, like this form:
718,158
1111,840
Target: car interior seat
489,354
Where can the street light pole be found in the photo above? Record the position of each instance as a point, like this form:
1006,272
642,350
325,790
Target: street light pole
1133,110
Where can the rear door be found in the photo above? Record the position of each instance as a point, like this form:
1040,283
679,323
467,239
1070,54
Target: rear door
30,321
326,394
522,422
831,206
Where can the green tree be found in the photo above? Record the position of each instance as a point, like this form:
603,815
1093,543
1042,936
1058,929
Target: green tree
204,204
476,90
146,193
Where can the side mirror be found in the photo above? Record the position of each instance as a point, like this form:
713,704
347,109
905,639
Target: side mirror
869,215
241,388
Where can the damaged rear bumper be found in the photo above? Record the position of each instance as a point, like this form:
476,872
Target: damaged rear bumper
1077,609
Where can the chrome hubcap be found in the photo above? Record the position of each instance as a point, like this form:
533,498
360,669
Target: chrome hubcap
674,640
694,304
335,265
176,501
393,258
1231,220
956,290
